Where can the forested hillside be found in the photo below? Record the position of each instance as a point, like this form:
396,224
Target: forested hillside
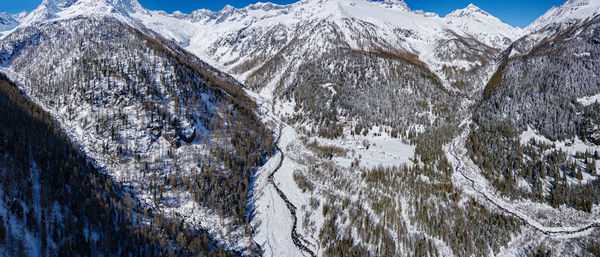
55,202
542,91
158,119
318,128
332,92
353,63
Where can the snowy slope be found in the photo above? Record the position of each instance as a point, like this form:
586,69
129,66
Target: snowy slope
483,26
54,10
554,22
241,41
272,48
143,100
10,21
568,13
7,21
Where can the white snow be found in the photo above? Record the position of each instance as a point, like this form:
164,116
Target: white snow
483,26
220,39
569,146
209,35
570,11
589,100
542,217
273,219
382,150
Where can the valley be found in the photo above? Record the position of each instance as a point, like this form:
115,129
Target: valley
318,128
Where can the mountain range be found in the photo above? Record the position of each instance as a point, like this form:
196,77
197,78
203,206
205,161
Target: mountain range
320,128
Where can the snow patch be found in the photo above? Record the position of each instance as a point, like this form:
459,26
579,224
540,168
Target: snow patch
589,100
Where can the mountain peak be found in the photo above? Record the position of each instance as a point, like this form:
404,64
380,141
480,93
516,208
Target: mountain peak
486,28
395,4
570,11
228,8
470,10
7,21
474,8
63,9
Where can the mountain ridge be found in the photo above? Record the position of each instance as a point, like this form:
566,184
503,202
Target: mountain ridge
348,84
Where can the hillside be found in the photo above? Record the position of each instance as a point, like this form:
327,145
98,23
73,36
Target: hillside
396,61
536,133
325,127
55,202
182,135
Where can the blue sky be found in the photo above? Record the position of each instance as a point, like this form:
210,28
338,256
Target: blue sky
515,12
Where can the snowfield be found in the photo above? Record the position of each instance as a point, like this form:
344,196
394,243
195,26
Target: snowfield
370,151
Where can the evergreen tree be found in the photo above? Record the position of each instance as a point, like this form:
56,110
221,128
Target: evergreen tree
579,174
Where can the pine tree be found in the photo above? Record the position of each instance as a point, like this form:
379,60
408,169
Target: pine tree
591,167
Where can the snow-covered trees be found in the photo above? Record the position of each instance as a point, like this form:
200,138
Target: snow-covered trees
54,198
349,88
149,113
540,91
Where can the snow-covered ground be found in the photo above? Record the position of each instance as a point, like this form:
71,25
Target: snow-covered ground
549,222
203,33
370,151
272,220
588,100
568,146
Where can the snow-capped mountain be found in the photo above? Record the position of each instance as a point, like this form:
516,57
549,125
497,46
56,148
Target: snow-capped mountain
556,21
568,13
269,47
483,26
7,21
128,86
64,9
10,21
226,36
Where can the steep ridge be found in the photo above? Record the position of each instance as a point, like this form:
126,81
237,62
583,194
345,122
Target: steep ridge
66,9
483,26
267,47
270,46
566,15
535,138
54,202
556,21
332,69
9,21
182,135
